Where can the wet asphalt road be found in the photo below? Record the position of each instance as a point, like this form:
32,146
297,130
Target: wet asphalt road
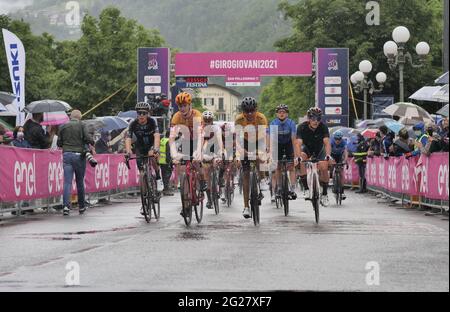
116,250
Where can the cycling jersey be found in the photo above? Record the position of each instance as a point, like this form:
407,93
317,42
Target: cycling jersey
179,120
285,129
258,120
211,136
144,133
313,139
338,150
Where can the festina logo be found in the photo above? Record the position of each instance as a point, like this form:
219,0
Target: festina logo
15,69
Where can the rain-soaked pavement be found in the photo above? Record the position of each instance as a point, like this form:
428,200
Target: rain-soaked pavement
361,246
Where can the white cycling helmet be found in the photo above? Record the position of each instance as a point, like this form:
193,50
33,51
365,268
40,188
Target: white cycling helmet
207,115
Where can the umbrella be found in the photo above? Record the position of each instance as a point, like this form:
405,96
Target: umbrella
55,119
442,80
394,126
365,123
441,95
348,132
370,133
407,110
46,106
128,114
113,123
2,108
443,111
6,98
412,121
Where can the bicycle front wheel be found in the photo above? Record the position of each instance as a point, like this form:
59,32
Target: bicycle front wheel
198,208
186,200
254,203
145,200
215,191
315,200
285,192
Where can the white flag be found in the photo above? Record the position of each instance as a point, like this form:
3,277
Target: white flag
15,55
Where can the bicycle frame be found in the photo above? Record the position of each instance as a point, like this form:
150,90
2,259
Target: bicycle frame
312,174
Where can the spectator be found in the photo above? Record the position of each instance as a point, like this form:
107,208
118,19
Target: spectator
19,138
165,163
402,145
73,137
34,133
102,146
375,146
436,143
421,139
387,139
53,134
443,127
2,133
361,160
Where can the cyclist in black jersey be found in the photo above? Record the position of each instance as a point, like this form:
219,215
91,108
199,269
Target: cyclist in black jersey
146,131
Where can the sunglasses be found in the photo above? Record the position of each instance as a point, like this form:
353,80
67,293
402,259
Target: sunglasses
315,119
142,113
250,111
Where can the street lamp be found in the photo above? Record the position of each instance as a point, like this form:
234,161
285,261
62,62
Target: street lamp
397,55
362,83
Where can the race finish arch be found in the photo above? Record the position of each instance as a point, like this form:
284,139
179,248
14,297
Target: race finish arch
247,68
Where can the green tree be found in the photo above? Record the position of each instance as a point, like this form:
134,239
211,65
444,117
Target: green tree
342,23
104,61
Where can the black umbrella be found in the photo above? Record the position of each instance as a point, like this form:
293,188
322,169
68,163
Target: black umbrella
47,106
6,98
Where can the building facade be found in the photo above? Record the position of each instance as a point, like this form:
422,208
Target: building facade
222,101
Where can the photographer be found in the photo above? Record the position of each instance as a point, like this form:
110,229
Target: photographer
73,138
436,143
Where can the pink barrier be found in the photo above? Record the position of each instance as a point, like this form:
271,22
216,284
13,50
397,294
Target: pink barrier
425,176
351,174
27,174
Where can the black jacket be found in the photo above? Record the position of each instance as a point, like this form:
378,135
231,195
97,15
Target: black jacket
35,135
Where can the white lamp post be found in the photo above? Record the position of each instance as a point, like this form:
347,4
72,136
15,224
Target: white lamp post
362,83
397,55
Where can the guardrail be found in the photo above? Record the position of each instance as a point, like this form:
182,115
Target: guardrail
32,179
419,181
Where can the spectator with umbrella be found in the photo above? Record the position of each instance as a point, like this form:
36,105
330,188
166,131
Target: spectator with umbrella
101,146
34,133
387,138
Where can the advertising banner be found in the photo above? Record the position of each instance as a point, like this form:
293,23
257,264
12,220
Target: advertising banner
243,67
15,56
192,82
380,102
27,174
153,75
332,85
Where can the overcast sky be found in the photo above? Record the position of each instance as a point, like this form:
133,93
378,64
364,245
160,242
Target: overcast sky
7,6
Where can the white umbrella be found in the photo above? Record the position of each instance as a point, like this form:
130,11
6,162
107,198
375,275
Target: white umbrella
408,111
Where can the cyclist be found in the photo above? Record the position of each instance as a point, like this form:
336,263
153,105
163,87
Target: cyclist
211,152
146,131
229,148
249,123
185,126
313,140
282,135
339,153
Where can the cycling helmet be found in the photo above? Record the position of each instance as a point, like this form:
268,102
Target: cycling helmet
184,98
314,112
283,107
248,104
142,106
338,135
207,115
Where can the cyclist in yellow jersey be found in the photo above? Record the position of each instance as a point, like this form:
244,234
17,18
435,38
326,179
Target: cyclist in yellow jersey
253,125
185,125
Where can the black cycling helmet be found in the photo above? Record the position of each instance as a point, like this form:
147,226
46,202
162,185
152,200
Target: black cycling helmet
248,104
282,107
314,112
142,106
